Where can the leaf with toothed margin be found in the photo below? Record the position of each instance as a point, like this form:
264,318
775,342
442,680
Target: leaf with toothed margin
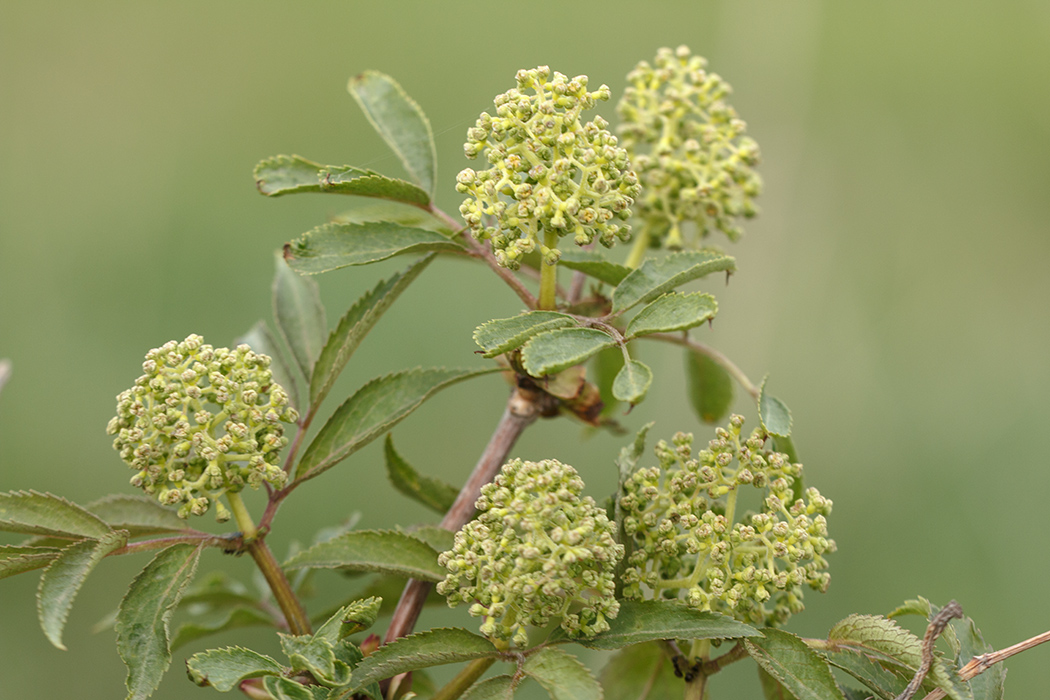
774,414
771,687
593,264
433,493
263,342
557,350
990,684
383,551
15,559
63,578
299,313
333,246
673,312
224,669
640,671
309,653
802,671
34,513
361,210
505,334
286,689
287,175
562,675
633,382
659,275
138,514
495,688
281,175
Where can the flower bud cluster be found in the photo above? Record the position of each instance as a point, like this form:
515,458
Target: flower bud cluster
688,544
202,421
688,148
550,173
537,551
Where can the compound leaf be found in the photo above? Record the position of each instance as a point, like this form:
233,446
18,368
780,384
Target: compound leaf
562,675
505,334
224,669
333,246
282,175
632,382
495,688
287,175
658,275
433,493
802,671
673,312
553,351
299,313
650,620
709,387
16,559
34,513
593,264
384,551
138,514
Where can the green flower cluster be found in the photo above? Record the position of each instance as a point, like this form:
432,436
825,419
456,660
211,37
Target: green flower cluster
551,175
697,164
681,517
201,422
537,551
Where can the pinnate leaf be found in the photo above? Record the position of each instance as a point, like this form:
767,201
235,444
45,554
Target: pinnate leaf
299,313
640,671
562,675
262,341
656,276
650,620
333,246
138,514
145,613
774,414
495,688
554,351
33,513
287,175
506,334
593,264
673,312
433,493
709,387
633,382
224,669
802,671
282,175
15,559
383,551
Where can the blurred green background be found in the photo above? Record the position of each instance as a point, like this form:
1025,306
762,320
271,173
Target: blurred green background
894,287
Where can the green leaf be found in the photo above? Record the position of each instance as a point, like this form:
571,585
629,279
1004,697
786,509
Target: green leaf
626,462
440,539
383,551
632,382
802,671
286,689
673,312
368,209
376,407
230,618
16,559
33,513
401,123
650,620
334,246
433,493
708,386
355,325
506,334
658,275
593,264
263,342
640,672
562,675
990,684
138,514
886,682
224,669
145,612
444,645
774,414
771,687
923,608
309,653
287,175
350,619
299,313
553,351
495,688
62,580
606,365
282,175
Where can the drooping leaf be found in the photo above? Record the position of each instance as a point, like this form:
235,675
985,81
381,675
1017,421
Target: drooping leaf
145,612
562,675
650,620
229,618
495,688
640,672
606,365
263,342
401,123
802,671
554,351
673,312
772,688
355,325
63,578
334,246
593,264
16,559
138,514
309,653
299,313
989,685
224,669
282,175
33,513
287,175
658,275
774,414
372,410
708,386
383,551
444,645
633,382
506,334
362,210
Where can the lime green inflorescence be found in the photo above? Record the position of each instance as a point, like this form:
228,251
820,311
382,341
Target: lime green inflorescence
550,173
690,541
201,422
537,551
689,150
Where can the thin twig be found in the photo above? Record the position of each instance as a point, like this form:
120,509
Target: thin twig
719,359
933,630
982,662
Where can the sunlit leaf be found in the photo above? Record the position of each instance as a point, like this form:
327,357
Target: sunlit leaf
673,312
333,246
33,513
802,671
505,334
656,276
562,675
633,382
383,551
433,493
224,669
554,351
299,313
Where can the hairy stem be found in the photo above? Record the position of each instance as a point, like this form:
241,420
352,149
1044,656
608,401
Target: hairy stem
294,614
549,275
464,679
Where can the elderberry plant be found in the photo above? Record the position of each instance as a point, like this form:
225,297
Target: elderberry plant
666,571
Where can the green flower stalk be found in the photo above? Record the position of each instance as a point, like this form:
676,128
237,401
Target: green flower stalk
689,542
200,423
689,150
537,551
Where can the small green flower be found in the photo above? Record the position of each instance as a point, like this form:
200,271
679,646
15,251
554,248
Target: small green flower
550,173
689,544
201,422
688,148
537,551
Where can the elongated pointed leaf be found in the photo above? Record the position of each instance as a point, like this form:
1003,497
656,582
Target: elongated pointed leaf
673,312
224,669
633,382
593,264
355,325
33,513
18,560
657,276
772,688
606,365
886,682
990,684
444,645
495,688
309,653
350,619
640,672
384,551
774,414
230,618
299,313
401,123
554,351
282,175
263,342
433,493
62,580
361,210
709,388
794,665
376,407
650,620
506,334
139,515
287,175
562,675
334,246
145,612
440,539
286,689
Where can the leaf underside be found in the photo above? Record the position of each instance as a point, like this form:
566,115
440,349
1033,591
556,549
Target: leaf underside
553,351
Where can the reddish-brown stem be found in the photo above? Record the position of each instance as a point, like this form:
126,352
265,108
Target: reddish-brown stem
163,542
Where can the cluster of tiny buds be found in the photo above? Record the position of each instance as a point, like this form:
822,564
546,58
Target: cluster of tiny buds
538,551
200,422
688,148
689,544
549,172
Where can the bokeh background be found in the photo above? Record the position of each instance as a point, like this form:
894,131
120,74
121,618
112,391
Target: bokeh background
895,286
